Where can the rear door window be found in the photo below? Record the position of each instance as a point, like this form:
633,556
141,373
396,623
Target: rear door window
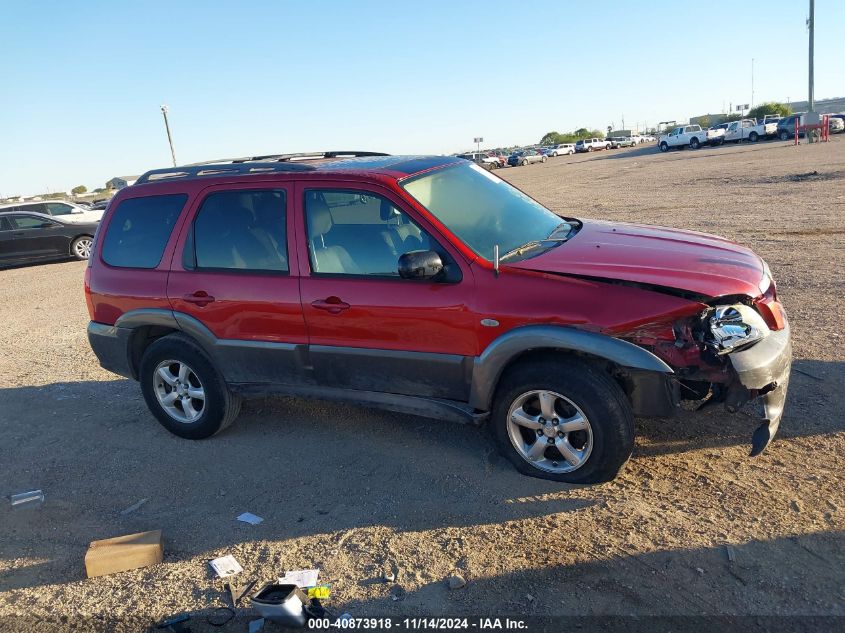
57,208
240,230
139,230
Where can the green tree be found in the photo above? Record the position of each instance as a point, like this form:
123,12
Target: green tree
551,138
79,190
770,107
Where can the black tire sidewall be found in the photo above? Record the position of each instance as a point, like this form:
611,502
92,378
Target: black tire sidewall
180,348
595,393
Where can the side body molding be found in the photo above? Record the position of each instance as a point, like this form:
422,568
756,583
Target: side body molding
489,366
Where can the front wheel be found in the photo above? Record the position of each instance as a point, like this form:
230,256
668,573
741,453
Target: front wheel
565,421
784,135
80,248
184,390
664,147
525,163
543,160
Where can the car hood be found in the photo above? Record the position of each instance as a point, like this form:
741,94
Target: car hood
658,257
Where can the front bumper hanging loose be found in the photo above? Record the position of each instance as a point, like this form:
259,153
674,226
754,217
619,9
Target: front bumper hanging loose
762,379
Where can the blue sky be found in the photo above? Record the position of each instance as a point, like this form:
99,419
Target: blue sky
82,82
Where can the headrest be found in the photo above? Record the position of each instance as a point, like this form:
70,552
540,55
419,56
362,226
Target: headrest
319,217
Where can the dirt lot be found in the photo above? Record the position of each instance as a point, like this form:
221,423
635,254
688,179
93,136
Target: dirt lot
356,492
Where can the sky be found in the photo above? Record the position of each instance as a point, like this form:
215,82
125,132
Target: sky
82,82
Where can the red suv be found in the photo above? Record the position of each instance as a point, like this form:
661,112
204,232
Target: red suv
426,286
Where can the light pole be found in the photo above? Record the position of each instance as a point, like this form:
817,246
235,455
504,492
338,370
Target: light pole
811,23
752,82
169,138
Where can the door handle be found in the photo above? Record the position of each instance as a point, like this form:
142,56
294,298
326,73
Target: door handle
200,297
331,304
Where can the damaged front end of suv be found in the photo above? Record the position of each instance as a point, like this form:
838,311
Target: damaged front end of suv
737,352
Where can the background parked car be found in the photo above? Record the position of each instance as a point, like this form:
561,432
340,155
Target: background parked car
591,144
526,157
691,136
837,125
563,149
786,126
29,237
750,130
481,158
68,211
621,141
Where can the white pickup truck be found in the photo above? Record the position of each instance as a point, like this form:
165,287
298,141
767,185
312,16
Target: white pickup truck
691,136
750,130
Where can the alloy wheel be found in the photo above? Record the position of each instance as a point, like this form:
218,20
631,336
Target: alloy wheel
549,431
179,391
82,247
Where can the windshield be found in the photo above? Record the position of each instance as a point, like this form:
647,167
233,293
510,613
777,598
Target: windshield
484,211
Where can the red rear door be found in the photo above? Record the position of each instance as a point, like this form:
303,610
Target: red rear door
235,277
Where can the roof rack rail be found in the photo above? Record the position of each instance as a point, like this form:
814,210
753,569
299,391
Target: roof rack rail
248,165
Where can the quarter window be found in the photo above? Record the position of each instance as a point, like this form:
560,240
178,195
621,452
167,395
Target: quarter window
241,230
57,208
357,233
139,229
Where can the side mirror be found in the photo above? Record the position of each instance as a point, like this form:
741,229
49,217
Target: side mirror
420,265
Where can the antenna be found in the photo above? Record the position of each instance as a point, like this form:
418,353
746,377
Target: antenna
496,260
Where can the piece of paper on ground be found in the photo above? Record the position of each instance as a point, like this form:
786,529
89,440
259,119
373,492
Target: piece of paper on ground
226,566
301,577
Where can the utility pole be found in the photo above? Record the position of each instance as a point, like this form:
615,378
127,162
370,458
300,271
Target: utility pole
169,138
811,24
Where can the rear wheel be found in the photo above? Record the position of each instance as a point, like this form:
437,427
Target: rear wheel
543,160
753,137
694,144
80,248
184,390
564,421
525,163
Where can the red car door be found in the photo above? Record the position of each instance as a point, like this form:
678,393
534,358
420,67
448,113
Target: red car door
368,328
234,276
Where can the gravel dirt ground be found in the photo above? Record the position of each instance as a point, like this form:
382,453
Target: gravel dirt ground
691,526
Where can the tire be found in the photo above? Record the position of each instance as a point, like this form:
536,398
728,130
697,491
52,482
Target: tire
525,163
784,135
578,391
219,407
80,248
664,146
693,143
753,137
590,148
544,160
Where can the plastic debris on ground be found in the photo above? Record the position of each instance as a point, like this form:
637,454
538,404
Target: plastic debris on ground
29,499
133,507
226,566
249,517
